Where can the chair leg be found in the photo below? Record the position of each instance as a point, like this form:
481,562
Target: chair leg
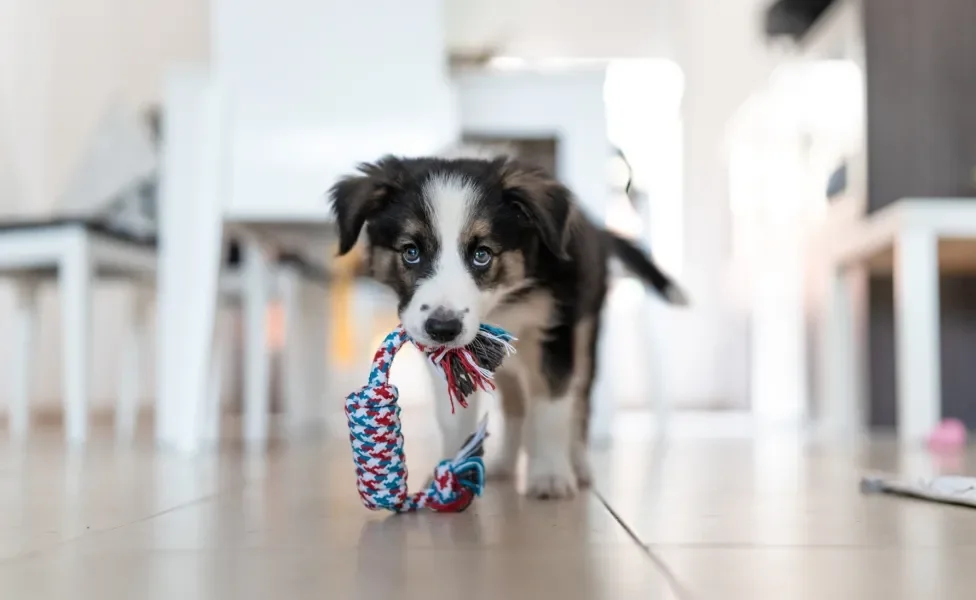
131,367
257,280
25,329
76,291
213,409
293,353
317,339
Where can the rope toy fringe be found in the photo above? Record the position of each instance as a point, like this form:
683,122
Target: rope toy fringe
377,441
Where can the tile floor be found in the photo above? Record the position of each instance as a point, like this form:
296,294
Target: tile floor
707,514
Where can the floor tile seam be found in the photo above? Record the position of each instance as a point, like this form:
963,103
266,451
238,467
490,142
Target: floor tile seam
705,546
679,590
93,533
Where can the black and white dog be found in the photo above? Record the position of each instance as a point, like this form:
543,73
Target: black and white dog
467,241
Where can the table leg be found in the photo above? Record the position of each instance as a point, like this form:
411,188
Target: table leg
917,353
843,386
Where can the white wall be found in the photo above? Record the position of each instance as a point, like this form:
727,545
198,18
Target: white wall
61,63
26,49
722,53
562,28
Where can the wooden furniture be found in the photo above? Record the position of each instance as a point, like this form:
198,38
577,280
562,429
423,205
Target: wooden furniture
915,240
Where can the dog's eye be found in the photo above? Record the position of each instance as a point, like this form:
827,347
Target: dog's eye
481,257
410,254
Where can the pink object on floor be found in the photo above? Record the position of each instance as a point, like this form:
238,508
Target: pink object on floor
950,433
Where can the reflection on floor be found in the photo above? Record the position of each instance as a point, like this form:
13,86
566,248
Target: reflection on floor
734,514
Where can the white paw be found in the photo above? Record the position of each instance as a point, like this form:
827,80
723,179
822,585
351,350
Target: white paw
581,466
551,478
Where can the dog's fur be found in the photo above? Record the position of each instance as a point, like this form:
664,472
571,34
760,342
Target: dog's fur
429,223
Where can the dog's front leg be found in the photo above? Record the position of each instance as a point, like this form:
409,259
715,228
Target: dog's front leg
512,395
548,444
457,426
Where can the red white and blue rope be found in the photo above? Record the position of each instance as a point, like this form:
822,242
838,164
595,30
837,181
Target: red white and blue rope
377,440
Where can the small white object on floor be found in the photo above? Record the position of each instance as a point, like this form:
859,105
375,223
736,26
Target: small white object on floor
948,489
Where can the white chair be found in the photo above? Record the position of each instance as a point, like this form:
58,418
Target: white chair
76,254
256,139
112,238
87,240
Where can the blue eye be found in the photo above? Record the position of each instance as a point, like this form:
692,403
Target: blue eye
410,254
481,257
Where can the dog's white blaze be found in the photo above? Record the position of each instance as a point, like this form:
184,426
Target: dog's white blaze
450,284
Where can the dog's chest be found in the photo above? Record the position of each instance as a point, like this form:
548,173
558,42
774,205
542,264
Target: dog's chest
525,317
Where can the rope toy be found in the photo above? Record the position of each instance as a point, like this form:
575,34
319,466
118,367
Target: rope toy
374,425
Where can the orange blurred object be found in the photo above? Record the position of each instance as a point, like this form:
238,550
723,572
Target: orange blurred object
344,268
275,323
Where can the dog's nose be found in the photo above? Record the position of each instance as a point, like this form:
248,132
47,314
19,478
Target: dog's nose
443,325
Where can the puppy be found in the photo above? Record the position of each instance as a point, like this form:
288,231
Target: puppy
468,241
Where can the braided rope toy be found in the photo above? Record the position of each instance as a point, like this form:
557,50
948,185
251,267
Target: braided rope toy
377,441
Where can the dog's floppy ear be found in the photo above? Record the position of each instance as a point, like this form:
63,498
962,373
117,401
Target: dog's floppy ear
356,198
546,203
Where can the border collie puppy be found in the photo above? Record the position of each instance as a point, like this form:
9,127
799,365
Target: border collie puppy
468,241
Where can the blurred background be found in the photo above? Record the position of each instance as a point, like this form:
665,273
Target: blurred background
801,167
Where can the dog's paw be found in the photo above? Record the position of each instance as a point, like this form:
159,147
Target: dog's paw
551,479
582,468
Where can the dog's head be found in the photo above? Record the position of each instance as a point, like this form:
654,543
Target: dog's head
453,238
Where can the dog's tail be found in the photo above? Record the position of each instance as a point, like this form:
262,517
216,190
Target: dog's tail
637,261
